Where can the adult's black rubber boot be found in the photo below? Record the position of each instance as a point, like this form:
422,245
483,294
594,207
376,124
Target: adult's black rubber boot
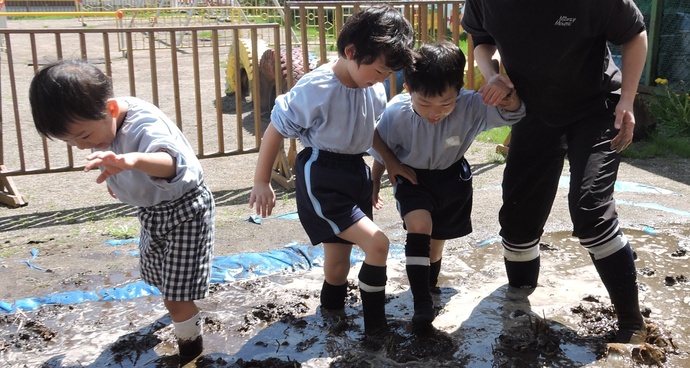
523,275
619,275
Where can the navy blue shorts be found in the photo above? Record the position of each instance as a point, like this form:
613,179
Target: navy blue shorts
333,191
446,194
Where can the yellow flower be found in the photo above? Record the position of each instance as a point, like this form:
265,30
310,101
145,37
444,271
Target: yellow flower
661,81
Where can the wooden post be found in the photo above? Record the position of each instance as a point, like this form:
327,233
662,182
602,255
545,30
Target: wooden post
282,168
655,17
503,148
9,194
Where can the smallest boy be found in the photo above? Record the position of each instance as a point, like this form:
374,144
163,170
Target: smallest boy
428,131
146,162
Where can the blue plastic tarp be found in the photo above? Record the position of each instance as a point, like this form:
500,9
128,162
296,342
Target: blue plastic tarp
229,268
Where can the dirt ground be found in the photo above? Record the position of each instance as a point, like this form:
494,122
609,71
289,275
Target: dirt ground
56,243
69,217
246,318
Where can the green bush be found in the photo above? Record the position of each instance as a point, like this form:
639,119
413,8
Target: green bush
671,109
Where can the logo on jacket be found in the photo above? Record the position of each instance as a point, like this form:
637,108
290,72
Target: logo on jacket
564,21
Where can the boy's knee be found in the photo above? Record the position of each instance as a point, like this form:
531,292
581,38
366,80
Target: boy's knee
336,274
381,243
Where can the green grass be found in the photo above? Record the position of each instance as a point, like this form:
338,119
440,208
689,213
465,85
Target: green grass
122,231
204,35
653,146
51,17
495,135
8,252
659,146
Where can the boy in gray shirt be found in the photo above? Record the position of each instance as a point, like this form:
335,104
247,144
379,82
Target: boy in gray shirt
428,131
333,110
146,162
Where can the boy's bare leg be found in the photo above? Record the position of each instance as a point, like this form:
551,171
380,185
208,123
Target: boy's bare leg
336,268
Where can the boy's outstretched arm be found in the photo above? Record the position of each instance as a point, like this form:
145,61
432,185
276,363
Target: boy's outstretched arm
157,164
262,194
391,162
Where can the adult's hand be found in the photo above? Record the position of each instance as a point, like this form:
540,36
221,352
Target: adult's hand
625,123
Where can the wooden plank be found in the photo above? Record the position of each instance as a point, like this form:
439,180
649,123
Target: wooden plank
282,170
9,193
657,13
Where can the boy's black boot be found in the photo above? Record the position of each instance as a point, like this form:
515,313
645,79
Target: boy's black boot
434,271
418,274
523,275
333,296
190,349
619,276
372,284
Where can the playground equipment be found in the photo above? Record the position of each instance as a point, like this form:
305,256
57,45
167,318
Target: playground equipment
268,79
265,71
247,73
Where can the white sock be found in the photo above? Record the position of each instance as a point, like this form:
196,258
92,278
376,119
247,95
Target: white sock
612,246
525,256
189,329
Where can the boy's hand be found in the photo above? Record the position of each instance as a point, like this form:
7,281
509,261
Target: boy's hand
112,164
376,200
496,89
511,102
263,197
397,168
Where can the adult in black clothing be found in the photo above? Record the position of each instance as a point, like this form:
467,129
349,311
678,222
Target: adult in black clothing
579,104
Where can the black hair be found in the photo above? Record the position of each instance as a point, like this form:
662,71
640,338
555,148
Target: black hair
377,31
66,91
437,67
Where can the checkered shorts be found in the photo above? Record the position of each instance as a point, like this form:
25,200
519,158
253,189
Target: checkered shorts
176,245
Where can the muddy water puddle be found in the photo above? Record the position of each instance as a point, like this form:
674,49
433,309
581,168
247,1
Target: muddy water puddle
274,321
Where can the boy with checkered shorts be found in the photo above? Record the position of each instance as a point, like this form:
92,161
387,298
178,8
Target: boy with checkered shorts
146,162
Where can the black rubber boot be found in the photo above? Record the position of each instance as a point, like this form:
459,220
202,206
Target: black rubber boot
523,275
619,276
333,296
434,270
416,248
190,349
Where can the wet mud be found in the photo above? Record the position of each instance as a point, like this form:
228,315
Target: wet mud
275,321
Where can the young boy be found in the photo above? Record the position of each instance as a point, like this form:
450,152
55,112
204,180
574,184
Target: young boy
332,110
146,162
429,130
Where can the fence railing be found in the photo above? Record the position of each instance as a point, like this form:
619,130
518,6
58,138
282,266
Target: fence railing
186,84
218,86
